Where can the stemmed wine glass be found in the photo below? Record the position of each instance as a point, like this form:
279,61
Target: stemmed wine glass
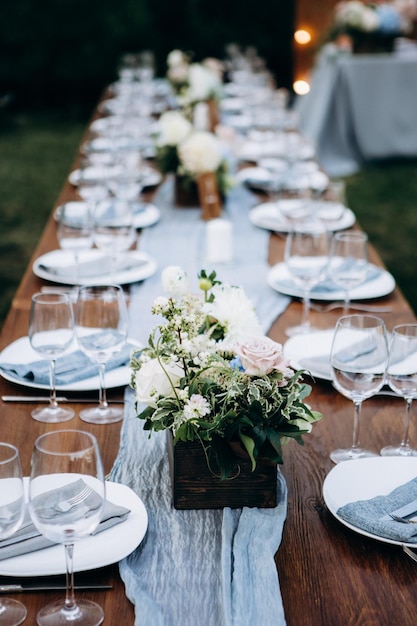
12,508
348,262
75,231
306,257
51,332
66,500
101,330
402,378
113,229
358,359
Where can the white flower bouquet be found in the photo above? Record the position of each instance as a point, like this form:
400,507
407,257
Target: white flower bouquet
353,17
193,82
209,375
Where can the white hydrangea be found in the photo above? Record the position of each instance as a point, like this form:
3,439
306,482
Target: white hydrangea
203,83
200,152
173,128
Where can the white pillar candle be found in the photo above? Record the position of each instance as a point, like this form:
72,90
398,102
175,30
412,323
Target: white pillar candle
219,241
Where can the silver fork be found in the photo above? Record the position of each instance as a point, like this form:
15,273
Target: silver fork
66,505
369,308
403,520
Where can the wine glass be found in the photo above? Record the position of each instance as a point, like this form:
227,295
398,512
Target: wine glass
75,231
358,359
113,229
402,378
306,257
51,333
348,262
12,508
66,500
101,331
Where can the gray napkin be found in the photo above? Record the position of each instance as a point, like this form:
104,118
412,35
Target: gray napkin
371,515
29,539
71,368
327,285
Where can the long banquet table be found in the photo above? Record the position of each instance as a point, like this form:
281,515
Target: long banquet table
328,574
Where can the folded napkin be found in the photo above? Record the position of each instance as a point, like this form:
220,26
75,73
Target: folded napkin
70,368
327,285
97,266
29,539
372,515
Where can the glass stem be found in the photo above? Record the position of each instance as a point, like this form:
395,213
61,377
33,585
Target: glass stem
346,302
305,321
52,397
405,440
70,604
356,424
102,393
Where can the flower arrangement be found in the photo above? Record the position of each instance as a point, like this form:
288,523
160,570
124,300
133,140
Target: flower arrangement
186,152
193,82
356,18
209,375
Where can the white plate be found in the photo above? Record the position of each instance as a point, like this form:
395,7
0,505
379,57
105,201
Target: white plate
145,215
99,173
311,351
20,351
260,178
57,266
105,548
364,479
279,279
269,216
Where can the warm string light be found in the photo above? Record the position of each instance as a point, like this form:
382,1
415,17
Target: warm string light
302,37
301,87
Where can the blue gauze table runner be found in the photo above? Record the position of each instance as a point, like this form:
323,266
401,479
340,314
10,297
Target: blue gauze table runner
211,567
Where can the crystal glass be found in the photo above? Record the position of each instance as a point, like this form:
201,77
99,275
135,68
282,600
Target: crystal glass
306,257
101,330
66,500
12,508
51,333
75,231
402,378
113,230
348,262
358,359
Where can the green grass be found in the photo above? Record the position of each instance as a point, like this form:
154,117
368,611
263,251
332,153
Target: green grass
36,153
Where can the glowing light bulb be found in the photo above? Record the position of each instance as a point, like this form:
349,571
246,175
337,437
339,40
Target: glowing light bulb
301,87
302,36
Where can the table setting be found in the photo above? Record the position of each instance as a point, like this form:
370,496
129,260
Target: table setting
227,565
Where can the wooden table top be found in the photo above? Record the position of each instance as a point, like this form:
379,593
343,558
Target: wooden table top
329,575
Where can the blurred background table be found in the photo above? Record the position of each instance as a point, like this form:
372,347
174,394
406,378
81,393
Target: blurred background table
361,107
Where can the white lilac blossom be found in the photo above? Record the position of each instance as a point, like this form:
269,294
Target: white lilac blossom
174,281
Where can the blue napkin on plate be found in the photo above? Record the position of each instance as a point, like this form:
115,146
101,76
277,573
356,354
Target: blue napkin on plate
70,368
327,284
372,515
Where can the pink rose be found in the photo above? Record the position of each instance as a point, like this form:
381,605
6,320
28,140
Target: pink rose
261,355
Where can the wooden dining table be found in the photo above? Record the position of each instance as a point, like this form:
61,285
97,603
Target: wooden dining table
329,575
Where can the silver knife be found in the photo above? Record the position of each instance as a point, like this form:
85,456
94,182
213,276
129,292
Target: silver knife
57,587
59,399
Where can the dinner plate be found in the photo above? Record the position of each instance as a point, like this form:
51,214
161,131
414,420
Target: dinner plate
252,151
105,548
380,283
99,173
144,213
20,351
363,479
259,178
311,351
94,267
272,215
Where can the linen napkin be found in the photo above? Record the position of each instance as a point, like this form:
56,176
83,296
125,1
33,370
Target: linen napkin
70,368
211,567
28,539
327,285
372,515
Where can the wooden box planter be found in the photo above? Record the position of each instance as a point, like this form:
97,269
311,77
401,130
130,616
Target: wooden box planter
195,487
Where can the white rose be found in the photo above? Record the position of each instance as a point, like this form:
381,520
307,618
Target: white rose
152,382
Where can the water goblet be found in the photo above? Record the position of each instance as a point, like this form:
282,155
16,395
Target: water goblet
75,231
66,500
348,262
113,230
358,359
306,257
101,331
12,508
51,333
402,378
